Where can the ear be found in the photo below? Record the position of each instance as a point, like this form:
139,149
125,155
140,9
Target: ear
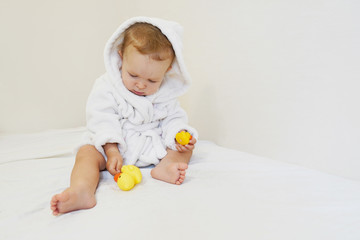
121,55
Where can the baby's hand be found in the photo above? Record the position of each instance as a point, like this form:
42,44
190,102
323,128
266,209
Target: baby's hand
114,163
184,148
114,159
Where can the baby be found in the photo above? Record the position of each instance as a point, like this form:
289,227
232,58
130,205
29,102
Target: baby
132,112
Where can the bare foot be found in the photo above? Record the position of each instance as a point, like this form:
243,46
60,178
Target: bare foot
71,200
171,172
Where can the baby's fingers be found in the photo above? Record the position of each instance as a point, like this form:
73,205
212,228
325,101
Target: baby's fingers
111,166
181,148
112,170
118,166
189,147
185,148
178,147
192,141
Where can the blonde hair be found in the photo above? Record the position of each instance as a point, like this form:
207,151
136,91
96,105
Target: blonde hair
149,40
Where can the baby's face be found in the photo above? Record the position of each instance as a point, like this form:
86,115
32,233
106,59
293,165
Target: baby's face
141,74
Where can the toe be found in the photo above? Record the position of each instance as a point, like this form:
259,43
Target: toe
63,197
182,166
180,181
53,200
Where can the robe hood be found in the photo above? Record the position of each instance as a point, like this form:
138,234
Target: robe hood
177,79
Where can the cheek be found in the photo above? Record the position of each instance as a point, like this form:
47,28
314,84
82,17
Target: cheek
156,87
126,81
123,77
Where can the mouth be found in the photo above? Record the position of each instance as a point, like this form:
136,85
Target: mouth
138,93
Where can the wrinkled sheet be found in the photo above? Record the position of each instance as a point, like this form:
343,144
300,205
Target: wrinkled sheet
227,194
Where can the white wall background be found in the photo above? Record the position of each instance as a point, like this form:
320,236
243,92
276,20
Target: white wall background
277,78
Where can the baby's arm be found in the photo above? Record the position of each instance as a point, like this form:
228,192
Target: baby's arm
114,159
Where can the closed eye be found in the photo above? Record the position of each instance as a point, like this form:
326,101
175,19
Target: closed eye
132,75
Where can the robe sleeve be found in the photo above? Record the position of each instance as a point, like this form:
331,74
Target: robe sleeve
175,122
103,118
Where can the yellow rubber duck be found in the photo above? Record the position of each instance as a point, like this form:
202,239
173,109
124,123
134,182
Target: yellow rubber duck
129,176
183,137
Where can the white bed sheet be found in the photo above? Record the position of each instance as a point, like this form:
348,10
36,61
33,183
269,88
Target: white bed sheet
227,195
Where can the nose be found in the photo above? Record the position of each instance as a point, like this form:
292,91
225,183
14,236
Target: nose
140,85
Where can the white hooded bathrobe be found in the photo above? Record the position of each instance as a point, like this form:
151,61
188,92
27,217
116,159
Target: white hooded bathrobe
143,127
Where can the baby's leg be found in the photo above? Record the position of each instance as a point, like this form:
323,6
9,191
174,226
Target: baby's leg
172,168
83,183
